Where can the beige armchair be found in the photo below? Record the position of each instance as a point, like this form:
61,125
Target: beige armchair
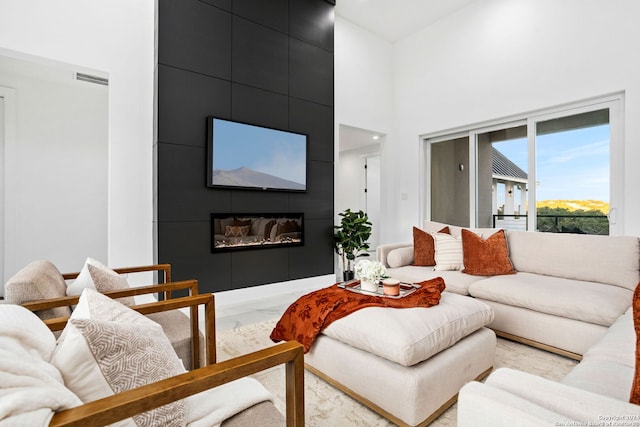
40,287
128,403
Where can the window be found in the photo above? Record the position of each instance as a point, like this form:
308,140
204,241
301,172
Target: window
552,171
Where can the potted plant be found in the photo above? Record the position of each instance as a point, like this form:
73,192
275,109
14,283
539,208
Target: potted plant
350,239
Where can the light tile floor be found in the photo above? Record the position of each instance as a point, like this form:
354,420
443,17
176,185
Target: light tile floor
253,311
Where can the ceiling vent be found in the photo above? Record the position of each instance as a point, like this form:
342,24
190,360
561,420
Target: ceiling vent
92,79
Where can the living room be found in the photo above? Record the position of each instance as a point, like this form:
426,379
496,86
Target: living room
402,90
490,60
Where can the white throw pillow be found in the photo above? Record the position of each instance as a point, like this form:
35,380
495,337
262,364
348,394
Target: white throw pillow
448,252
400,257
84,280
107,348
95,275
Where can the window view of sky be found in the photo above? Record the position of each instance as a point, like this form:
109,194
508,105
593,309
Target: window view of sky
269,151
570,165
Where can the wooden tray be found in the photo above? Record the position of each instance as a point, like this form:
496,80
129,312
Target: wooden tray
354,286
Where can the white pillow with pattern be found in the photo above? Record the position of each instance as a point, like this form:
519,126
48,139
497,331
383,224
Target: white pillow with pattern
107,348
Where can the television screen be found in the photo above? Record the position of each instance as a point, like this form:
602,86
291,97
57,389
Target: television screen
241,155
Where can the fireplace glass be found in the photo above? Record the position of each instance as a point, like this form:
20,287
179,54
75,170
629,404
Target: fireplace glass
256,231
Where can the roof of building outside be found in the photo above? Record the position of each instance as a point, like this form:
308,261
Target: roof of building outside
505,167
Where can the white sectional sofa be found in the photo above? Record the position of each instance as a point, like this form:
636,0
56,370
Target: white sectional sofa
568,289
571,294
596,392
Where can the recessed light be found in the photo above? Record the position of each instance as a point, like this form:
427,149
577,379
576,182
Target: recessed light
376,137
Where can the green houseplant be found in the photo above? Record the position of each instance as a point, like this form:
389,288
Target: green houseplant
350,239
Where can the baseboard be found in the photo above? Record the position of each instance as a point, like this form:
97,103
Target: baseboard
237,296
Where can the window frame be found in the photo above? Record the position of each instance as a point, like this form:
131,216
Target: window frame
614,103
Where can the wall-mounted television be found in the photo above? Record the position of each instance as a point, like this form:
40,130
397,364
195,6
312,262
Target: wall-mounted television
246,156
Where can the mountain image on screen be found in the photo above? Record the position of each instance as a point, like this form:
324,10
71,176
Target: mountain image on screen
245,177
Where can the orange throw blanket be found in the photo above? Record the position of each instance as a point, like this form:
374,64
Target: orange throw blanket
311,313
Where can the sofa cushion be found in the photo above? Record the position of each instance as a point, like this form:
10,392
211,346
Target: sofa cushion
575,299
38,280
107,348
573,402
615,346
176,325
455,281
485,257
211,407
603,377
613,260
410,335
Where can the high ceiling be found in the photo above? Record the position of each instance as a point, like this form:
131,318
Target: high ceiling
393,20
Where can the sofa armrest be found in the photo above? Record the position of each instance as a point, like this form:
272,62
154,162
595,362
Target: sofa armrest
570,402
382,251
128,403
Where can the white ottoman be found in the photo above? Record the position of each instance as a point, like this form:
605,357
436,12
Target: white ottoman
407,364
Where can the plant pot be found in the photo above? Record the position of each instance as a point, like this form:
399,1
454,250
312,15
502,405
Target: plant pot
347,275
369,285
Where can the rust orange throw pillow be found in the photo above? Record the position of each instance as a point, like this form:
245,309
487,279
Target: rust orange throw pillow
424,247
485,257
635,386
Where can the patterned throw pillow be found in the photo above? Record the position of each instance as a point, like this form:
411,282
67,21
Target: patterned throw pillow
107,348
108,280
448,253
236,231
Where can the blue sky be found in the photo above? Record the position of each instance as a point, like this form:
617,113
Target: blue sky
570,165
270,151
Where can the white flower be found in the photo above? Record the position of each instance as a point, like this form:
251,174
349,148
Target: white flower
369,270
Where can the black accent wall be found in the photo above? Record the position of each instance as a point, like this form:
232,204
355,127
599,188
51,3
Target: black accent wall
265,62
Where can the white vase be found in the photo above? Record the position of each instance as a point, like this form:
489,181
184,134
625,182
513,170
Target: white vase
369,285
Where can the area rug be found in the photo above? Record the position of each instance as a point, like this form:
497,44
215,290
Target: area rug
327,406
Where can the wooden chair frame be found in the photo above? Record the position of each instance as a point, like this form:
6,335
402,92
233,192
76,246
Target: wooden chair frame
163,288
126,404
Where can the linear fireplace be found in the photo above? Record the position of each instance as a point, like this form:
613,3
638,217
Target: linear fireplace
256,231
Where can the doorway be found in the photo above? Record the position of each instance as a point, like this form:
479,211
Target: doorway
372,197
358,176
54,164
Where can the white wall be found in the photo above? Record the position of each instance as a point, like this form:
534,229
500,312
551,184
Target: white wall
496,58
363,78
363,99
55,191
117,37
